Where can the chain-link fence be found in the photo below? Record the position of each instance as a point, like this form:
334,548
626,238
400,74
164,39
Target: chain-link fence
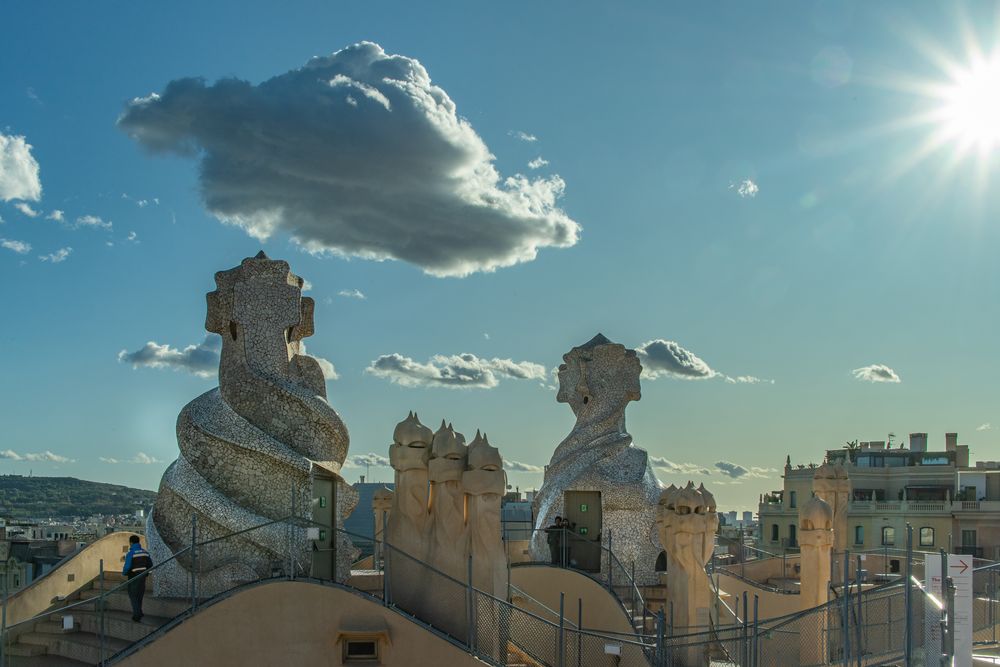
96,625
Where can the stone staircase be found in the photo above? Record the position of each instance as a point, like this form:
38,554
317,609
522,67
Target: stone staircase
47,643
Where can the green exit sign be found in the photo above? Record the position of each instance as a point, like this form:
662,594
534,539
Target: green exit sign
583,507
583,530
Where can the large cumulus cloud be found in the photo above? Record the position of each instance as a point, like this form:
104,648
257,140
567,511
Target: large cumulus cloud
18,170
458,371
356,153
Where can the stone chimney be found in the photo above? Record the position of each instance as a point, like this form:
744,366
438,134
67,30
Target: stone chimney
951,442
918,442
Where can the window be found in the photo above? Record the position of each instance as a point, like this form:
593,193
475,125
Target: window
888,536
791,535
360,650
791,499
926,537
859,534
774,532
968,538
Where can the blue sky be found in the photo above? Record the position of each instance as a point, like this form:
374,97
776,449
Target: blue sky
751,182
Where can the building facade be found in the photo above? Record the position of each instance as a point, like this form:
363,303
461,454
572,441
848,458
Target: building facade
949,503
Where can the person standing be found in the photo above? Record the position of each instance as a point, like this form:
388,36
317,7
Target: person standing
553,535
137,564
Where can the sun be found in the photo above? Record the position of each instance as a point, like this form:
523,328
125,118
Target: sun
970,110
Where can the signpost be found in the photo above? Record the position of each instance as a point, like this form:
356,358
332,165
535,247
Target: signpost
960,573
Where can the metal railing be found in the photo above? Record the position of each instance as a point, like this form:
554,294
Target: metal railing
863,624
106,614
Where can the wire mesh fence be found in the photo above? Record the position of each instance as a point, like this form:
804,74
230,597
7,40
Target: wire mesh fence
865,623
98,622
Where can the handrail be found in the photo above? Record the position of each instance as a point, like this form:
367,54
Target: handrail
541,604
107,593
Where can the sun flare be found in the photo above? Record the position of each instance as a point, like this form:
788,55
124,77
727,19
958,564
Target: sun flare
971,106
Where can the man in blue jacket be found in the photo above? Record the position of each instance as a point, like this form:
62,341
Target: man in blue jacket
137,563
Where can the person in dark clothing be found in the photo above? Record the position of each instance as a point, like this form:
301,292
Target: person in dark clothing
137,564
554,538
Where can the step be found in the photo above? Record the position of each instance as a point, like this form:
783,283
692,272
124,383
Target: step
26,649
118,624
152,606
81,646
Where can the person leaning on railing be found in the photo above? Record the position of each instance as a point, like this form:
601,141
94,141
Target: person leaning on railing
137,563
553,535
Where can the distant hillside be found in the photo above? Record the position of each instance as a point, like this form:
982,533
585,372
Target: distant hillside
42,497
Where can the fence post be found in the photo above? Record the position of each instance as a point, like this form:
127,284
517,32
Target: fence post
385,567
579,635
468,607
292,561
3,618
560,652
610,562
857,621
100,611
945,611
845,609
194,561
908,598
671,632
755,659
993,593
744,643
661,657
634,589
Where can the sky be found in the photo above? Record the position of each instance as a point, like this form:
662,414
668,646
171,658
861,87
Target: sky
788,208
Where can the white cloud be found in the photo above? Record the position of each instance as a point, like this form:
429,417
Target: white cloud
18,170
26,209
486,335
306,285
57,256
736,471
140,458
876,373
747,379
985,427
20,247
352,294
454,371
745,188
57,215
518,466
364,460
329,372
537,163
665,357
399,176
201,359
678,468
44,457
91,221
133,237
523,136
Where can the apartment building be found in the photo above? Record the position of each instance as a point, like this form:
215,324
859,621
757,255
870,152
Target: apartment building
949,503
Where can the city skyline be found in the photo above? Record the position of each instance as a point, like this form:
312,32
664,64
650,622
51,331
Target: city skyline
786,213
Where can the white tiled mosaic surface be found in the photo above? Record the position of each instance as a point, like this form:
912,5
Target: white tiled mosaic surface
248,446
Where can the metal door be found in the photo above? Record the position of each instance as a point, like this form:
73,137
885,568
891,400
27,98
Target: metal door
322,536
583,510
